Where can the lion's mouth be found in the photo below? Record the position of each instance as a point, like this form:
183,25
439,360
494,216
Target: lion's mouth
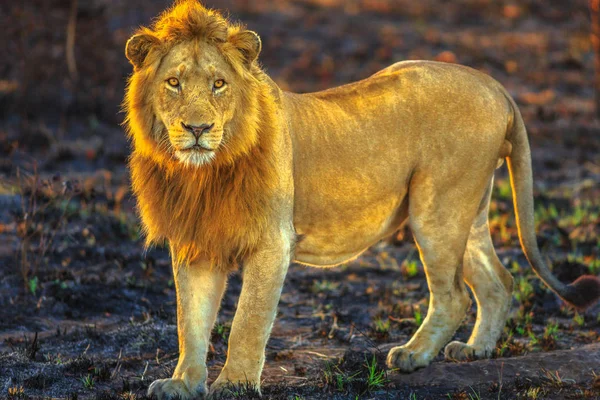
197,147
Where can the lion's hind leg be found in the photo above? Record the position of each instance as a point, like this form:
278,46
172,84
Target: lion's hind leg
492,286
441,214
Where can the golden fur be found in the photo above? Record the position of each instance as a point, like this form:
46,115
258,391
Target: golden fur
219,211
231,173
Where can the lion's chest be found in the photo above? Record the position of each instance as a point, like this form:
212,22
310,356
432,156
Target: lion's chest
198,214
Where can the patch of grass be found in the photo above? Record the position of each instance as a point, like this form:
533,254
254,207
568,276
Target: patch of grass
594,266
534,393
376,377
548,213
464,395
579,319
381,327
533,340
502,345
502,226
129,227
358,380
507,346
101,373
324,286
54,359
474,395
555,380
502,190
410,268
338,379
88,382
582,213
342,381
523,322
592,262
32,284
548,341
418,316
515,268
128,396
523,290
240,391
221,331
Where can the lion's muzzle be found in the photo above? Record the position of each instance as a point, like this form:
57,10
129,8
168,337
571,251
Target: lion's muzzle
197,130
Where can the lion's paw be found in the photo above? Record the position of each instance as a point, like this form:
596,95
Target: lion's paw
459,351
406,359
171,389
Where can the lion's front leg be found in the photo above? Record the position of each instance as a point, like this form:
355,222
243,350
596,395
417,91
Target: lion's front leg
199,291
263,276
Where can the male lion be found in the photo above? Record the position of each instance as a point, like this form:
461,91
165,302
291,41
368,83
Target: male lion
229,169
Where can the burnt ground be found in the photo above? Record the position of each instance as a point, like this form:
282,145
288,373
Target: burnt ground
85,312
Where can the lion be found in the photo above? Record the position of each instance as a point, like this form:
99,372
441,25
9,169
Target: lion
231,171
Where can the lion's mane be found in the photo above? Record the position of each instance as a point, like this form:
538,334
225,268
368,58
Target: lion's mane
217,211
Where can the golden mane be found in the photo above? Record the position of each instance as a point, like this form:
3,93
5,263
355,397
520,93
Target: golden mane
189,20
220,210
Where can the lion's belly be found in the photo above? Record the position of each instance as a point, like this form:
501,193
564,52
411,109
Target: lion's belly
335,233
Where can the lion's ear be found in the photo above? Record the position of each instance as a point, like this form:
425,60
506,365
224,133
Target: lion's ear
248,43
138,47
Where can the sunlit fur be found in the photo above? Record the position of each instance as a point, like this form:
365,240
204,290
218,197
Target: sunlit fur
214,205
194,158
343,168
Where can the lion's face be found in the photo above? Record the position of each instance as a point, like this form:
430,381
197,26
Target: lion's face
195,95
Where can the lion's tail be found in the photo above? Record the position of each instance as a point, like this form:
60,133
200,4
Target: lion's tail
586,289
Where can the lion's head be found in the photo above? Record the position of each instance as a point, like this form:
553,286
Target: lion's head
193,95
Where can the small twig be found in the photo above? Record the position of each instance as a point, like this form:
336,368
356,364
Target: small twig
334,327
302,378
315,353
117,368
145,370
33,348
86,350
70,50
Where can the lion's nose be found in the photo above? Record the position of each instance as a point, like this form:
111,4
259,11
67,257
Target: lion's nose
197,130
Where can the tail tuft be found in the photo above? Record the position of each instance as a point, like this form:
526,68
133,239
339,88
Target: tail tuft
584,292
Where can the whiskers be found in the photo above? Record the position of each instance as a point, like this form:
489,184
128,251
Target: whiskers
226,146
164,144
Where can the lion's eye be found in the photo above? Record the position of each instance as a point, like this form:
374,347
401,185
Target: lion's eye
219,83
173,82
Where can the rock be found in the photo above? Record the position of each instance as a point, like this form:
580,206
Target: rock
578,365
